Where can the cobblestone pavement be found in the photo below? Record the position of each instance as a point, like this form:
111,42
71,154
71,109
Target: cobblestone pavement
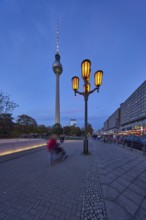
110,183
123,176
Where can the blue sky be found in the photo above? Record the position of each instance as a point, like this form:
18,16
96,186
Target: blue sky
111,33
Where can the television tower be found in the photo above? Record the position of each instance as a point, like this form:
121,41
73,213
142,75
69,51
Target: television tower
57,68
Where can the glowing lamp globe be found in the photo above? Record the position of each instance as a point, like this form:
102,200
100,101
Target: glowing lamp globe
87,87
98,78
86,69
75,83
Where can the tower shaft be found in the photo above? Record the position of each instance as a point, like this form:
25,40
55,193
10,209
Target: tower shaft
57,104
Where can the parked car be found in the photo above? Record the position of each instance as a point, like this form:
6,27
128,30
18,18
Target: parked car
136,142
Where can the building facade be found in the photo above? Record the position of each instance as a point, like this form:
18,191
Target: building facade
114,120
131,116
134,108
73,122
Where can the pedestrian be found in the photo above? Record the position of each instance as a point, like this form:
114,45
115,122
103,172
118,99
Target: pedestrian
52,146
57,153
62,137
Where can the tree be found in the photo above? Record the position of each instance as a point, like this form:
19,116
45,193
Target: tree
78,131
82,131
72,130
49,129
26,120
26,124
6,125
75,131
6,120
89,129
57,129
6,105
41,129
16,130
66,130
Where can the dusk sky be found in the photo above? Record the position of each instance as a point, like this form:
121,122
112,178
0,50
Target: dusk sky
111,33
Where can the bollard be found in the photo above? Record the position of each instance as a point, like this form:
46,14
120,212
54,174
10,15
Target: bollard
144,148
131,145
124,143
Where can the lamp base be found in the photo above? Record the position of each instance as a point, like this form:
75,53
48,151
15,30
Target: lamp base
85,146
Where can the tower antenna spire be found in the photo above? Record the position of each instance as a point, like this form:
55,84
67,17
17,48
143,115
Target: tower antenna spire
57,37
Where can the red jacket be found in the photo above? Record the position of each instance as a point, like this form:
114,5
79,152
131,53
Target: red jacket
51,144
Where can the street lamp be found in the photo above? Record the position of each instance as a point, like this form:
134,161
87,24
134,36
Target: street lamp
86,70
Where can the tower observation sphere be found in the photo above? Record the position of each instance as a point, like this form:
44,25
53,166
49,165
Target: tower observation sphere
57,66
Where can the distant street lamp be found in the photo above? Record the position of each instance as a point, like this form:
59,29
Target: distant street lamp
86,69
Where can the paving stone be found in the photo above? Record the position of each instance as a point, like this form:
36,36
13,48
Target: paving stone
143,205
23,216
2,215
143,179
127,204
112,176
127,177
105,179
137,189
116,212
124,182
117,186
140,215
137,199
109,192
140,184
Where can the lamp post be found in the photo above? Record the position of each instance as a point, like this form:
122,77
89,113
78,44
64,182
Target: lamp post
86,69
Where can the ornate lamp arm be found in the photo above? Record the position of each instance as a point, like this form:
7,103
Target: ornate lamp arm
87,93
97,88
81,93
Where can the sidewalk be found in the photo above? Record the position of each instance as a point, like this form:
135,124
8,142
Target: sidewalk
108,184
123,177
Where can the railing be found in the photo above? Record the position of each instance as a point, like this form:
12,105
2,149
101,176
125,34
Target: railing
16,145
125,142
